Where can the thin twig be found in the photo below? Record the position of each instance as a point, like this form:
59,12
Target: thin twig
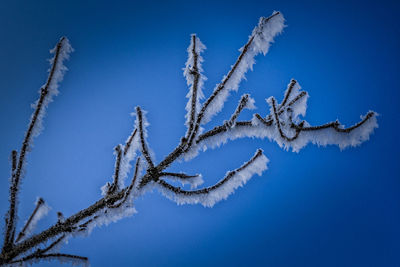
130,187
178,175
196,75
129,142
335,125
39,203
145,150
10,228
278,124
241,105
114,185
288,93
228,176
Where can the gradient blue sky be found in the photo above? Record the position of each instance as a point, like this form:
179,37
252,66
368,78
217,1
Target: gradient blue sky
321,207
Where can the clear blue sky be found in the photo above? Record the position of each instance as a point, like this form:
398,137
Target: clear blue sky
321,207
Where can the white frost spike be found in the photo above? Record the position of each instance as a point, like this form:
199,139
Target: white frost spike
189,74
209,196
56,75
259,42
250,103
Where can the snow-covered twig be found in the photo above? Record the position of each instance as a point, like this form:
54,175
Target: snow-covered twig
141,125
41,210
259,42
195,79
49,89
210,195
245,102
115,184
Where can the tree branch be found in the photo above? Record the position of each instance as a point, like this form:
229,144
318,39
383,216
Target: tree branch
40,106
282,119
128,143
210,195
228,77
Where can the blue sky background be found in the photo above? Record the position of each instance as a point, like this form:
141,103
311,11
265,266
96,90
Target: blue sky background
321,207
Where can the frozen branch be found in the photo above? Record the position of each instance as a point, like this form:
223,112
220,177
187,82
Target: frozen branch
56,73
259,42
195,80
210,195
283,125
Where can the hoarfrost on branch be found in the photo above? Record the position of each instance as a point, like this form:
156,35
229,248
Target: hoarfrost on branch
283,124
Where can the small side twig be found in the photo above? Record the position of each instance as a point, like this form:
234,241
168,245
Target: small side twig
39,203
114,185
145,150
